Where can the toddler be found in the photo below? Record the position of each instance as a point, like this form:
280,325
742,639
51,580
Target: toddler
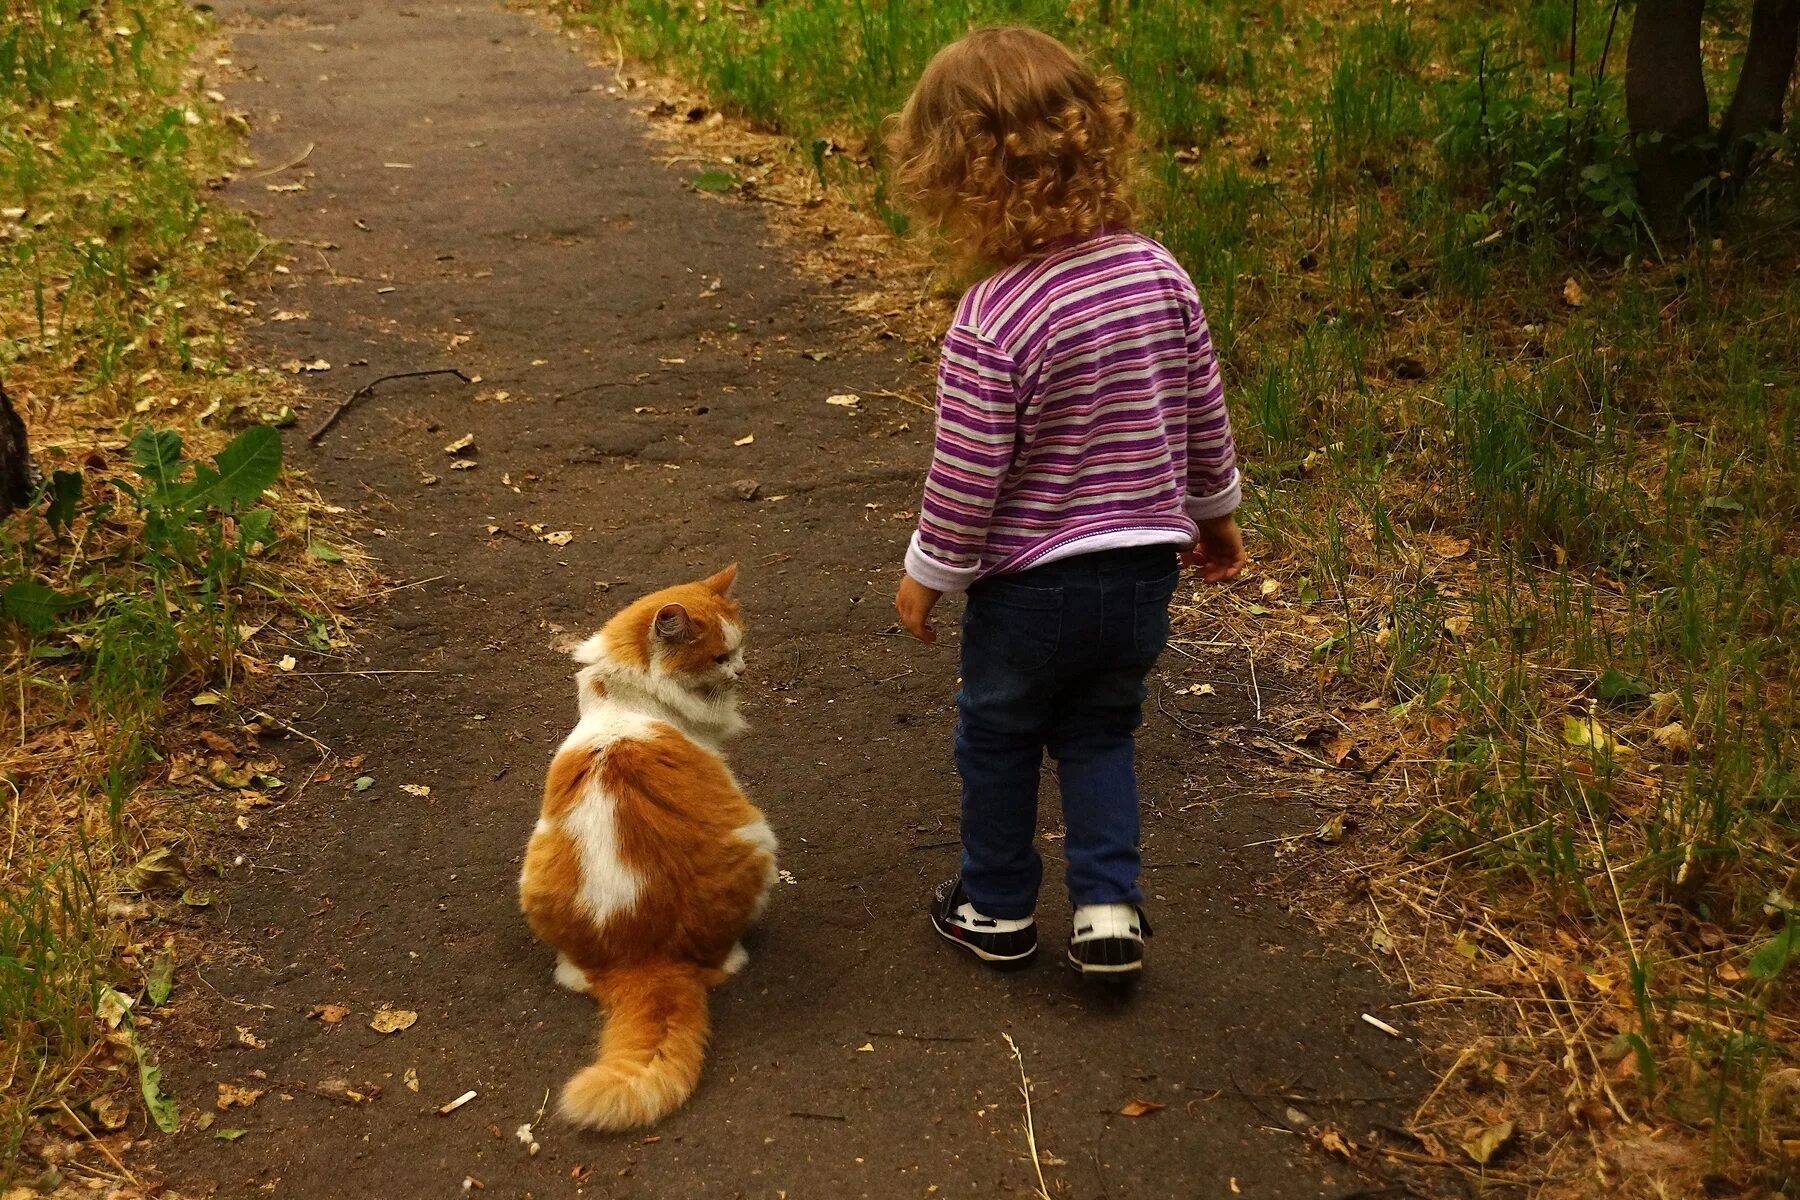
1082,453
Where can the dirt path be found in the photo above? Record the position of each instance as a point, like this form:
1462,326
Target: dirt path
641,331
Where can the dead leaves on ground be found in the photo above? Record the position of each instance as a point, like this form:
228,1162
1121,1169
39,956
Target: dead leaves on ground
393,1020
233,1095
1140,1108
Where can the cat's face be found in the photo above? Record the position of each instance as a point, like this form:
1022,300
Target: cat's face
692,634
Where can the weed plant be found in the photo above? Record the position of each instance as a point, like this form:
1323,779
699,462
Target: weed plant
126,587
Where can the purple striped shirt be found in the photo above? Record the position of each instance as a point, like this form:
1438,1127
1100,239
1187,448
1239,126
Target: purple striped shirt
1080,408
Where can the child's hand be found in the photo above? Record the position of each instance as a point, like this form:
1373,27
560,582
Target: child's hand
1219,554
914,603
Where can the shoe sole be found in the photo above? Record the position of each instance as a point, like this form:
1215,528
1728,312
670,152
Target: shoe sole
1109,970
996,960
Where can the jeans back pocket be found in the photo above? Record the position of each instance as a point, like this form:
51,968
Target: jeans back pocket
1015,624
1150,619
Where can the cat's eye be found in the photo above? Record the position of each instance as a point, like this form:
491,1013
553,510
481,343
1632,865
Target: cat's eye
722,659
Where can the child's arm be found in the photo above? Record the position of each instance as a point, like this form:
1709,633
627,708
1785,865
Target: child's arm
1213,486
976,422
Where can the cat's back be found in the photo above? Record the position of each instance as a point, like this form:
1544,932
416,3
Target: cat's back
633,767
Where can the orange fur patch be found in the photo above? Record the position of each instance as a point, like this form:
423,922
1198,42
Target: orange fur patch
630,636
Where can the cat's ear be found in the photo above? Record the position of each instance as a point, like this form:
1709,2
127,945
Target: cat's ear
721,583
672,624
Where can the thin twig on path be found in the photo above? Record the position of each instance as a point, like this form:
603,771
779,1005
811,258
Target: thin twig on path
812,1116
401,587
367,671
370,386
920,1037
902,397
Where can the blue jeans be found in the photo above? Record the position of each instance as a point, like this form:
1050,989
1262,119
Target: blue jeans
1054,658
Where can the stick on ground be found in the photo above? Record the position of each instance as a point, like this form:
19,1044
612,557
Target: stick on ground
370,386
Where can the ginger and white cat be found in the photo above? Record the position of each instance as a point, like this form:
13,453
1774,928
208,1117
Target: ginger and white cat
648,864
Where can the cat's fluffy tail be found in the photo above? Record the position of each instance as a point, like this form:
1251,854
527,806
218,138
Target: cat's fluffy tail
651,1048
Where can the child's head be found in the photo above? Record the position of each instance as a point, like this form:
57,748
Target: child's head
1009,142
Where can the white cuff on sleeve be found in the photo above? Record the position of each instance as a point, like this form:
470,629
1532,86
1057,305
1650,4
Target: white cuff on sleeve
934,574
1206,508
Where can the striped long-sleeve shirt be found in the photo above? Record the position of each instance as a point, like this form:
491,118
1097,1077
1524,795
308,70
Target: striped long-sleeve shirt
1080,408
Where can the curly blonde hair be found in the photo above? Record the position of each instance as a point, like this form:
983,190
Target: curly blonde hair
1009,142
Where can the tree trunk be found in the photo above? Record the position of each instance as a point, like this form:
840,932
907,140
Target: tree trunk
15,459
1665,103
1756,105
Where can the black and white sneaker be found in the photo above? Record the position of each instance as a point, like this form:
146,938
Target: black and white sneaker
1108,940
997,941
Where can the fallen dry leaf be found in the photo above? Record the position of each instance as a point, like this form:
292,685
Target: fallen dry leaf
463,464
844,400
232,1095
110,1112
1573,297
460,444
329,1014
560,537
1488,1142
1140,1108
416,789
1674,737
1445,546
1333,1142
411,1079
340,1089
745,440
288,662
393,1020
247,1036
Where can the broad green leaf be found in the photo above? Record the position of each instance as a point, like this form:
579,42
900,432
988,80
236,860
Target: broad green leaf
324,553
161,979
157,453
247,467
713,181
256,528
1618,688
33,605
63,492
1773,956
229,1135
161,1106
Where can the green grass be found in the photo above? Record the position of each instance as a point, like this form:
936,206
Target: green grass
1381,205
125,587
